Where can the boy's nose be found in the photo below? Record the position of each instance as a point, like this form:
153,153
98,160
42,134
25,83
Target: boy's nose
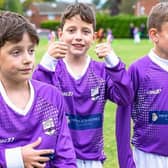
27,58
78,35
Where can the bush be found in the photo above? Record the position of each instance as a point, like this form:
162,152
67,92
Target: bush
52,25
120,25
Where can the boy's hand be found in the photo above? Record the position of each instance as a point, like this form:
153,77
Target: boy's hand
33,157
57,49
104,49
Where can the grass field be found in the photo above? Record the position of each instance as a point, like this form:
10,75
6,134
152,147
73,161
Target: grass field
128,52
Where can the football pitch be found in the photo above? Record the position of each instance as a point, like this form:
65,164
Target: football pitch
128,52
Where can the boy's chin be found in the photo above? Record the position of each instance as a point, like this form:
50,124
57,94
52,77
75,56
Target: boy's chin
78,54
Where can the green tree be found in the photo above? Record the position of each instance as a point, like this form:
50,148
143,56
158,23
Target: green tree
13,5
96,2
112,6
127,6
2,3
27,3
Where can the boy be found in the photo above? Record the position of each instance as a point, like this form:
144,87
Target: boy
85,83
33,128
150,108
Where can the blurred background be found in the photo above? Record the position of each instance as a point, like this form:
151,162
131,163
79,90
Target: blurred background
121,16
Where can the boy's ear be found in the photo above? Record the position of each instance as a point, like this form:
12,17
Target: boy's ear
153,34
94,35
59,31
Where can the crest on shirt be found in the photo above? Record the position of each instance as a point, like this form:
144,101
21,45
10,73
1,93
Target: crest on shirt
95,93
154,92
49,127
154,117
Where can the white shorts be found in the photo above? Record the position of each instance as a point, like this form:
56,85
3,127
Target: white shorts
89,164
149,160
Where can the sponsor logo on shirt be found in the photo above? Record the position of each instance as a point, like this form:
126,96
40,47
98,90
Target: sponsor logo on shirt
78,122
158,117
154,117
95,93
67,93
154,92
7,140
49,127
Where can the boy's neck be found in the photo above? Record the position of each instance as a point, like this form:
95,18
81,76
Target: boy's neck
9,85
77,64
160,54
19,94
76,60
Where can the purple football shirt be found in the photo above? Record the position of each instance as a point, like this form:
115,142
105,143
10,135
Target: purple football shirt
45,119
149,112
86,98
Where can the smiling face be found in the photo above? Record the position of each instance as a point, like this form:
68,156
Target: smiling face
78,34
17,60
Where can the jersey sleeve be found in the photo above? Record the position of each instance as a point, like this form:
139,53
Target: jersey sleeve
65,153
119,85
2,158
14,158
123,137
43,74
123,127
45,70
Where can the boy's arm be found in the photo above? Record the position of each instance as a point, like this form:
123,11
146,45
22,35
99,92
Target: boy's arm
45,70
11,158
65,153
14,158
2,158
118,83
25,156
123,126
123,138
48,62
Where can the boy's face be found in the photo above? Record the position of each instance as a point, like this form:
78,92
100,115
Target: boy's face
78,35
17,60
160,39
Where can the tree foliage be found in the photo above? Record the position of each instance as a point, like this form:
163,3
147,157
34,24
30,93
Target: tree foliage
112,6
96,2
127,6
27,3
2,3
13,5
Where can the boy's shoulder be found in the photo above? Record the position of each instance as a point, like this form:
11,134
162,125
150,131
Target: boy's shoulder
141,62
96,63
42,88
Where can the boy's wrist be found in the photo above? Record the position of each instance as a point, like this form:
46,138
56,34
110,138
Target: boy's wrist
48,62
14,158
111,60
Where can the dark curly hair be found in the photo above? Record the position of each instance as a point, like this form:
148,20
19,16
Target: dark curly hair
13,26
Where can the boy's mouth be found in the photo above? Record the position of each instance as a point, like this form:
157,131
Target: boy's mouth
78,46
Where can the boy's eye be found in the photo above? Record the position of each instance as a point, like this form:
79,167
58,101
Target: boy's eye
71,30
31,51
15,53
86,31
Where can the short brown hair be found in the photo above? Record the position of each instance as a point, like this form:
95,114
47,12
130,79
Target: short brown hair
13,26
83,10
158,15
